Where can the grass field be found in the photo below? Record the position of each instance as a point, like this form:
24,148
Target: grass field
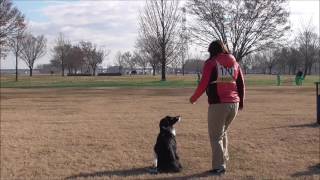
47,81
109,133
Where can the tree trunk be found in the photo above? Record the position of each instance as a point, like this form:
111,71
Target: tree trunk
62,69
16,66
93,71
30,71
289,69
183,69
163,63
245,69
309,69
163,71
305,70
62,64
153,70
270,69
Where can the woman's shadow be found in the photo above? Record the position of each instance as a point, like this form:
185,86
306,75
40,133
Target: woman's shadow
122,173
134,172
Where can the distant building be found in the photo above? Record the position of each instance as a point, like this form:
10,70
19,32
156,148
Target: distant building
126,71
115,69
20,71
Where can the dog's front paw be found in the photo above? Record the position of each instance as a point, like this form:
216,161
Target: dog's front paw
153,170
155,162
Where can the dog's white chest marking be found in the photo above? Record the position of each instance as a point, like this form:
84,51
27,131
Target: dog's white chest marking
173,131
155,160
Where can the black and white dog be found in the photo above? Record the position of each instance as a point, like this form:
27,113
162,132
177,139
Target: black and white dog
166,157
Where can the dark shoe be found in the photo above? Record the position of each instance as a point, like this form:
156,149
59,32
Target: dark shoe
218,171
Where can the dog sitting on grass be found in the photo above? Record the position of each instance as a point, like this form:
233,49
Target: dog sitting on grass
167,159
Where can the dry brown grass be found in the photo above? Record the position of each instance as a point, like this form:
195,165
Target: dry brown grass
110,133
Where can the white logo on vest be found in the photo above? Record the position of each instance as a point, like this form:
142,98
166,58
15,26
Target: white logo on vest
225,74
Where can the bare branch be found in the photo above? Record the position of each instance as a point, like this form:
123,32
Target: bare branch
32,48
159,35
245,26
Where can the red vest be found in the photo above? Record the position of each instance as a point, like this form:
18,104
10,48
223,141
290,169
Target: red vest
222,80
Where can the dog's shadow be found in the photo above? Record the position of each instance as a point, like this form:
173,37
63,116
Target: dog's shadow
121,173
312,170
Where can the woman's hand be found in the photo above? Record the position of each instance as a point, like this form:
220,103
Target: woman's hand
192,100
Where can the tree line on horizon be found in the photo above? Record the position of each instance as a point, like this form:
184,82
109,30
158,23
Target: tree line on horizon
14,37
253,31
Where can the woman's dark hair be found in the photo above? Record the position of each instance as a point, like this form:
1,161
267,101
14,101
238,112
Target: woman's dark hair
217,47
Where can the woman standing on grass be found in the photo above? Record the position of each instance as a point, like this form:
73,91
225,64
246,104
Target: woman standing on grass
223,82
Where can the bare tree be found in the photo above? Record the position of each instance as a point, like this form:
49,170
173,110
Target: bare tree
74,59
16,47
160,20
11,23
268,58
283,59
128,60
289,59
97,59
155,63
185,38
87,49
194,65
247,62
48,68
92,56
245,26
60,51
177,63
293,60
32,48
308,42
119,61
150,50
141,59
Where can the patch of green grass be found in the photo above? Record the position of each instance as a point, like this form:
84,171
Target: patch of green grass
87,82
43,81
271,80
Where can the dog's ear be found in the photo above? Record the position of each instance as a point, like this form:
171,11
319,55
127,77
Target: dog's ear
166,118
163,122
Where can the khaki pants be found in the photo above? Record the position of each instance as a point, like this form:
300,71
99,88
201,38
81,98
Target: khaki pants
219,118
